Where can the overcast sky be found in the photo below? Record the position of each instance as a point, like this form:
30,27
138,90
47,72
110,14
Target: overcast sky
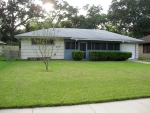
80,3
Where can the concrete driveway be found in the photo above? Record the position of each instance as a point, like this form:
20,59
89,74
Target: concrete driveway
128,106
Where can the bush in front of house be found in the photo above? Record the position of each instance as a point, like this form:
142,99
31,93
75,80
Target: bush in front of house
109,55
77,55
93,55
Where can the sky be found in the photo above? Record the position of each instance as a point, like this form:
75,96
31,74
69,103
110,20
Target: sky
80,3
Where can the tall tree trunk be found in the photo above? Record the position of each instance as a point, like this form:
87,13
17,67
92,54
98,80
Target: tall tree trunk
12,34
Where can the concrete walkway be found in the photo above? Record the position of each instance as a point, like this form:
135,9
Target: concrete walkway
142,62
139,61
128,106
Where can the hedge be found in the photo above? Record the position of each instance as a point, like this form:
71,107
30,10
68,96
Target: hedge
109,55
77,55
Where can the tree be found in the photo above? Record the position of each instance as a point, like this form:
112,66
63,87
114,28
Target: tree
93,15
74,22
43,46
92,20
111,28
35,24
124,14
15,13
142,27
68,16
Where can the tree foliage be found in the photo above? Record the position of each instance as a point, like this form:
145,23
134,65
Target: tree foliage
124,17
92,20
127,14
15,13
142,27
65,15
35,24
94,16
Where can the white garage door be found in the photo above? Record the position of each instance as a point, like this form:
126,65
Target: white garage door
128,48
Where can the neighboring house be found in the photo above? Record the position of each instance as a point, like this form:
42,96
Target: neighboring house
1,47
144,47
78,39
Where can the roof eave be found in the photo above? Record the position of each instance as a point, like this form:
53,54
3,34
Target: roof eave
21,37
129,41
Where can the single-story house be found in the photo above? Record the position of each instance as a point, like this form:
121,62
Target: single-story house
1,47
78,39
144,47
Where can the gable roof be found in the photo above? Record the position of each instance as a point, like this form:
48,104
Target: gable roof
2,43
78,34
146,39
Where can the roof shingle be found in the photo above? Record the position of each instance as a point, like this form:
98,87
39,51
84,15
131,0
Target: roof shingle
146,39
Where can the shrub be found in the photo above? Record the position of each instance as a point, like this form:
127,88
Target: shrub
94,55
77,55
109,55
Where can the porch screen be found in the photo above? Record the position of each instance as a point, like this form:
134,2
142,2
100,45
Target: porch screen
103,46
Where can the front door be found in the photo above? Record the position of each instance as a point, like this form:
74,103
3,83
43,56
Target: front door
83,48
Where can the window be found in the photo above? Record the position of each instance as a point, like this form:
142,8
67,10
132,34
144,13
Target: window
89,45
76,45
42,41
103,46
110,46
93,46
116,46
71,45
67,45
146,48
113,46
97,46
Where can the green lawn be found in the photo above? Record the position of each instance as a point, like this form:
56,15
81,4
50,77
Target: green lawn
27,84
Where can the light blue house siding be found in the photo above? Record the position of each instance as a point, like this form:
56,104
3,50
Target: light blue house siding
68,52
86,46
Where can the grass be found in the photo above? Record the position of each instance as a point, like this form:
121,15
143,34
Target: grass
145,59
27,84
